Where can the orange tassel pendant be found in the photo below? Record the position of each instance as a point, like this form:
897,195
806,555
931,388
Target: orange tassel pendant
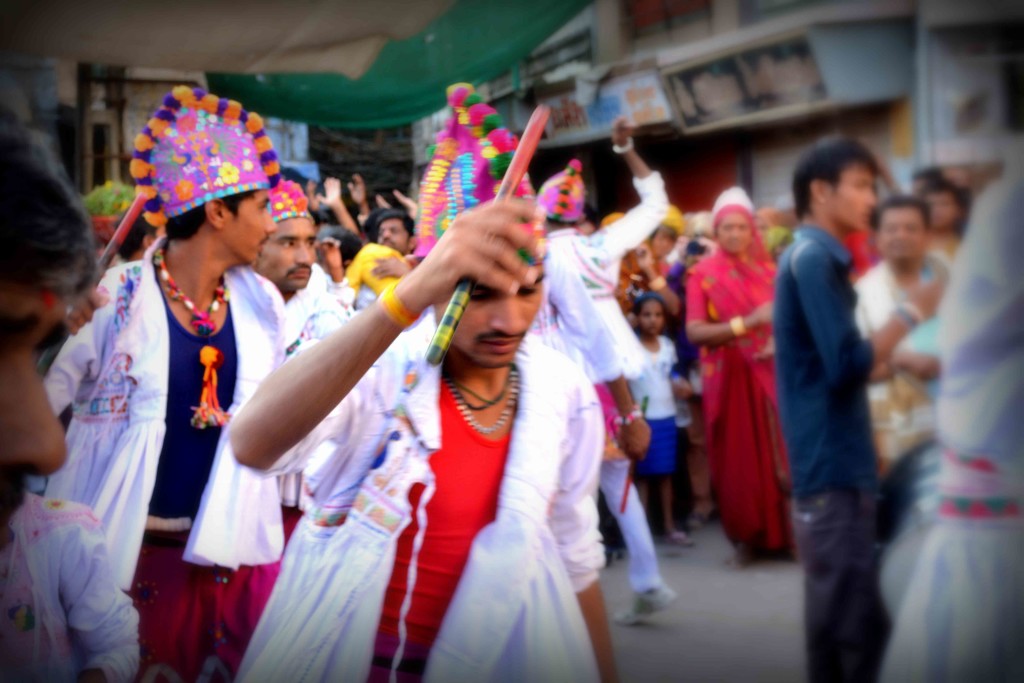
209,413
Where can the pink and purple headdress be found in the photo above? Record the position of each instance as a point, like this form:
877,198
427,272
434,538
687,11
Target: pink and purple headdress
466,164
199,147
287,200
562,195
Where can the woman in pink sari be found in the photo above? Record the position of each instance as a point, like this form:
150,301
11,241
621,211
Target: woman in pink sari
728,314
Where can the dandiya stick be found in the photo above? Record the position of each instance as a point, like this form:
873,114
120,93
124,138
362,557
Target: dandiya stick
513,176
632,467
116,240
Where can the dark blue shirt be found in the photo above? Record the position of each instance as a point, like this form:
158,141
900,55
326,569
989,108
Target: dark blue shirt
822,368
187,456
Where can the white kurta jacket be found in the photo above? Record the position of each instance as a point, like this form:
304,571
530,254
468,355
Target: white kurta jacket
580,315
514,615
114,374
312,314
73,593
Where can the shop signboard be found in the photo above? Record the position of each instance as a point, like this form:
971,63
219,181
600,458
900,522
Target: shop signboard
754,84
639,96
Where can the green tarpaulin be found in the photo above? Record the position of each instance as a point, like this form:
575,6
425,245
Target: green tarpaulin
475,41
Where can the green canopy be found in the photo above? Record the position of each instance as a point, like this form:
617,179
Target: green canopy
475,41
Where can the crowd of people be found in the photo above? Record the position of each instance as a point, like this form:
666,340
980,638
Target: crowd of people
261,476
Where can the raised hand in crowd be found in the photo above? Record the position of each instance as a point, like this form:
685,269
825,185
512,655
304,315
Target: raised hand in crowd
622,131
622,139
357,190
407,203
330,251
332,200
313,196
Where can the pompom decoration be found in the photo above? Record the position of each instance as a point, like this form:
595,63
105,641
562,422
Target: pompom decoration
199,147
209,413
287,200
563,194
466,165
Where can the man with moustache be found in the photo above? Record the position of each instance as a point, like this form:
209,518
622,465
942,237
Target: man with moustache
900,400
453,534
288,259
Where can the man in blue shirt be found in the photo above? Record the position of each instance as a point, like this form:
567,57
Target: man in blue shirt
823,368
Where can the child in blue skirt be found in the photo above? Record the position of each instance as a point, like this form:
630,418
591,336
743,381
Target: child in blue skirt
657,389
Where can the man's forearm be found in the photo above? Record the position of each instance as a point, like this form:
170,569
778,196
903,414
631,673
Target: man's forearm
885,340
592,605
344,217
637,166
623,397
294,399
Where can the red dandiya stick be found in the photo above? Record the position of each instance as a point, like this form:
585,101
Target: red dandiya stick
116,240
442,338
632,467
625,490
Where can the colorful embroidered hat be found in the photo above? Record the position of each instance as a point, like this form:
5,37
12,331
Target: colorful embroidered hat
196,148
466,165
562,195
287,200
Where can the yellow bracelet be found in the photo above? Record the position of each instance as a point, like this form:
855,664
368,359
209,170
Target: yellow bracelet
394,308
738,327
658,283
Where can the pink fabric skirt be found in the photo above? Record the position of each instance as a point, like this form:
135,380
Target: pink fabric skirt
195,620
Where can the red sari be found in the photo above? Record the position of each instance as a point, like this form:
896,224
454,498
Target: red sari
749,469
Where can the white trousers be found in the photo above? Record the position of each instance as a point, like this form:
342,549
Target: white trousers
643,560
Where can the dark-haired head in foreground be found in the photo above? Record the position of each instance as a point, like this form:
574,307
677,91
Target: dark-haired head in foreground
48,260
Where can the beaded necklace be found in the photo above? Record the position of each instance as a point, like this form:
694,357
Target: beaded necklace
208,413
201,321
466,411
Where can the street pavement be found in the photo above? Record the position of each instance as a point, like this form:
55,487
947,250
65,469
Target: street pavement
728,625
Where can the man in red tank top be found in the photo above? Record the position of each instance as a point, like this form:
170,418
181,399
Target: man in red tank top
468,548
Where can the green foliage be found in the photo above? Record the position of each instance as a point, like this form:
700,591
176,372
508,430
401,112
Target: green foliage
109,199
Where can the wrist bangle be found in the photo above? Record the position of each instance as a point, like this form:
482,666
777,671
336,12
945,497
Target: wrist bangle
659,283
906,317
622,149
626,420
738,327
394,308
913,311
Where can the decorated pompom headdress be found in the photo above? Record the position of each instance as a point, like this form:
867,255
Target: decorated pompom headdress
287,200
466,164
199,147
562,195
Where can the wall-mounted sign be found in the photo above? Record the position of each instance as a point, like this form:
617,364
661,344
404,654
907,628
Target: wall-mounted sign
732,89
639,96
